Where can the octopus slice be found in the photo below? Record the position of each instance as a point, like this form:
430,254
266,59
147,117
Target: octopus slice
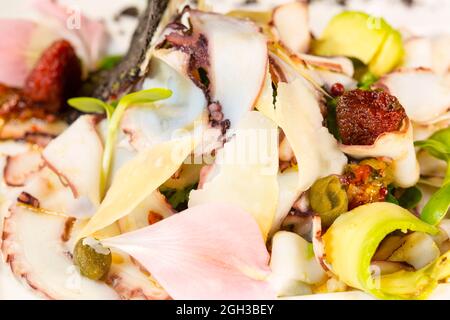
146,126
35,250
75,156
291,25
225,35
132,282
328,71
192,59
64,177
20,167
298,114
38,248
341,65
208,39
428,52
34,130
45,192
424,94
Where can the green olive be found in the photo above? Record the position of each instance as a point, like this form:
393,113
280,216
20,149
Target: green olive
328,199
92,258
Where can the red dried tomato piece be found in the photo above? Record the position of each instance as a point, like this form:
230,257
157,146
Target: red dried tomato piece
362,116
55,78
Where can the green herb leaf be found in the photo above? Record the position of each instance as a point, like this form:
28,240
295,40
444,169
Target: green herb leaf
438,145
390,195
435,148
391,199
410,198
90,105
367,80
146,96
110,62
442,136
331,118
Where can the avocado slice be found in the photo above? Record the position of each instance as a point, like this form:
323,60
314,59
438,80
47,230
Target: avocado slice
389,56
358,35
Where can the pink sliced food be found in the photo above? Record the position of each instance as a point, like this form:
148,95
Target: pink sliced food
14,65
88,36
213,251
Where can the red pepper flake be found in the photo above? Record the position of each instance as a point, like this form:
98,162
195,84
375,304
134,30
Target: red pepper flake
28,199
383,193
154,217
337,89
362,174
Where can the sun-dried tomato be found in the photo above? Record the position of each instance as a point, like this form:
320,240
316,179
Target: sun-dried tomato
55,78
362,116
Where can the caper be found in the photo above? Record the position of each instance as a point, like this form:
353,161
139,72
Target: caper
92,258
328,199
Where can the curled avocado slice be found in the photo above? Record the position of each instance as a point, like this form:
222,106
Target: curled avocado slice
351,242
367,38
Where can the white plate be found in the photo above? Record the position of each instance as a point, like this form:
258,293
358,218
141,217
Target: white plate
430,17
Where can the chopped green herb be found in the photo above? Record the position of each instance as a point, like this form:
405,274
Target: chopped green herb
310,253
390,196
109,62
178,198
331,118
367,80
410,198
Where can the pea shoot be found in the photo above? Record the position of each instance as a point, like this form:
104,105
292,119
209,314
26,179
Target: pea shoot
438,145
114,115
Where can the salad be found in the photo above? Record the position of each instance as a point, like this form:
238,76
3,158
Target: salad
227,154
